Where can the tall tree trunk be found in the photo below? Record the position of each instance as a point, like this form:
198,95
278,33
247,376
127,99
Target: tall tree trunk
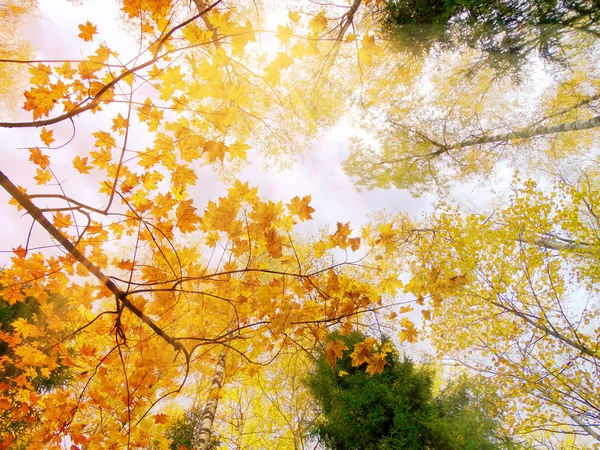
203,428
526,133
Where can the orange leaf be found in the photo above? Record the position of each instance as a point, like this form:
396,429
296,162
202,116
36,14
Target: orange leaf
301,207
334,351
37,157
354,243
62,220
187,219
20,251
408,332
274,243
87,31
362,352
81,164
376,364
47,136
161,418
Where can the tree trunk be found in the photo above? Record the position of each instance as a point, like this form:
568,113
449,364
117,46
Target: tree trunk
203,428
589,430
526,133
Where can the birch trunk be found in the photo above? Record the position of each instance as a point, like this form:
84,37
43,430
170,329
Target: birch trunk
526,133
201,438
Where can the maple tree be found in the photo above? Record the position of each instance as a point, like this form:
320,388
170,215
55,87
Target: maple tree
172,293
190,294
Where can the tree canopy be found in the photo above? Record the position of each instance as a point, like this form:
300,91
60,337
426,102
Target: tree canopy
152,294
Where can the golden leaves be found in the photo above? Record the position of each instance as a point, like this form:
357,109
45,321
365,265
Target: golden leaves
408,332
273,72
187,219
318,23
334,351
40,74
376,364
47,136
81,164
341,238
362,351
87,31
301,208
37,157
274,243
41,100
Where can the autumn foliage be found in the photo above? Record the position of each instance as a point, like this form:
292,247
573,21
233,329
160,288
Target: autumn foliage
153,278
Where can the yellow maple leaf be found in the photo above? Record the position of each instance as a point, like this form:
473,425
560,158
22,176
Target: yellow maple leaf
215,150
301,208
40,75
37,157
376,364
87,31
181,178
274,243
81,164
26,329
42,176
104,140
362,352
318,23
408,332
273,71
62,220
41,100
284,33
47,136
334,351
66,70
238,150
294,16
119,123
187,219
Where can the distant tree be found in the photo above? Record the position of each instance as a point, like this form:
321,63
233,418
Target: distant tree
506,31
397,408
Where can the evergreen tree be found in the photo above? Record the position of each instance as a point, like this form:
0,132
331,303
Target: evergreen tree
396,409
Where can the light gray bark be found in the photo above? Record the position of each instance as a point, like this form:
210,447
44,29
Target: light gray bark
551,244
201,438
526,133
589,430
